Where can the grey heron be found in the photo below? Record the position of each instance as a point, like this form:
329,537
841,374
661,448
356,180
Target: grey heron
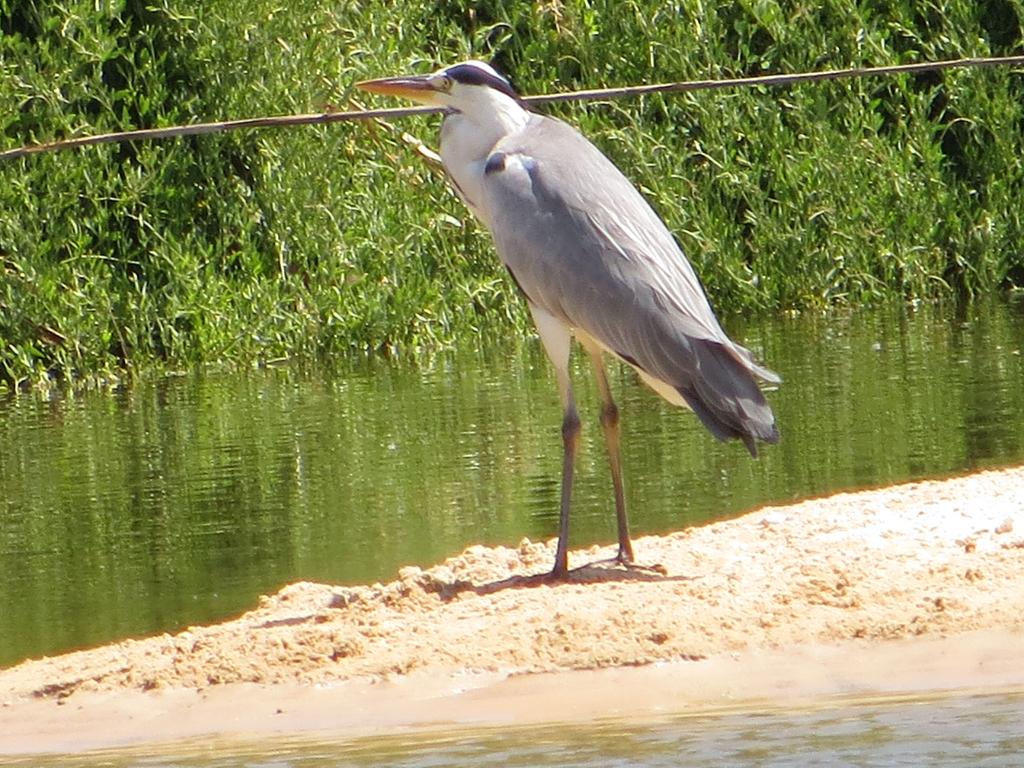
594,261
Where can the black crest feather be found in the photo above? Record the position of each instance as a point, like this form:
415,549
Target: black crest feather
471,74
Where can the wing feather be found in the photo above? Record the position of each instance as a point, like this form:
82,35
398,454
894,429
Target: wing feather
587,248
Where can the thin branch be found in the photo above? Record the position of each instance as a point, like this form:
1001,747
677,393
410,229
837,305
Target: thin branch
198,129
776,80
281,121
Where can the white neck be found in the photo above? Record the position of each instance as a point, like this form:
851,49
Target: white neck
481,119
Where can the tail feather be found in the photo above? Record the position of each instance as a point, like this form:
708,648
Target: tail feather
725,396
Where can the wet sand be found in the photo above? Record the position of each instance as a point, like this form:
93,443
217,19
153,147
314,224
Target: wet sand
911,589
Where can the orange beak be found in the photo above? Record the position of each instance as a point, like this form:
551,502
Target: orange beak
415,88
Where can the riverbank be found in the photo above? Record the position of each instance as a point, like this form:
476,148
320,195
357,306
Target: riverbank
907,589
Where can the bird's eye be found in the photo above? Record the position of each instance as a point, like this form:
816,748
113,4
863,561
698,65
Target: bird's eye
441,83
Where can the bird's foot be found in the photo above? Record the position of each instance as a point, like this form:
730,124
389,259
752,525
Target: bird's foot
561,572
625,558
657,568
621,561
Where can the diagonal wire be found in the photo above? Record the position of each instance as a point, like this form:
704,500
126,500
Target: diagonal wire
280,121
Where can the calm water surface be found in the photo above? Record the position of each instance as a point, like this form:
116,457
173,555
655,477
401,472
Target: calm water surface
179,501
956,731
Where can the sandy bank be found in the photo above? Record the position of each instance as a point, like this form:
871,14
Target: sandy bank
910,588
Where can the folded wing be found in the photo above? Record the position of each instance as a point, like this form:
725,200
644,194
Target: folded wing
584,245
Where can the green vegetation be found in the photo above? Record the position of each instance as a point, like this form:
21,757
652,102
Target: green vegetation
321,242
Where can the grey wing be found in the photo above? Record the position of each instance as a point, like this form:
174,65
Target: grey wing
583,245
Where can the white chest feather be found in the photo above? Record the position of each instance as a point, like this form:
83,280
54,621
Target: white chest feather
469,136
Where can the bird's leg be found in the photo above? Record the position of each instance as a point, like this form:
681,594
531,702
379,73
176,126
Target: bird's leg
570,442
555,337
610,423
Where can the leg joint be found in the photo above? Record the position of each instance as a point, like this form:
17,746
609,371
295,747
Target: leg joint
570,427
609,415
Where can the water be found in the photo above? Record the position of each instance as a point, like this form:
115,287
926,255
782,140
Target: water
178,501
968,731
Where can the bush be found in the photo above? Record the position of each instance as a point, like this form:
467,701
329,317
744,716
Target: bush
327,241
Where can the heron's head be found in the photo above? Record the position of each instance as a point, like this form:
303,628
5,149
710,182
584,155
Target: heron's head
465,87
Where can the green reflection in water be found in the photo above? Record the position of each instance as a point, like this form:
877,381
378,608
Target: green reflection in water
179,501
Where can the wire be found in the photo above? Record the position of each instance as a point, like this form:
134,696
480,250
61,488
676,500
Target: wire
281,121
776,80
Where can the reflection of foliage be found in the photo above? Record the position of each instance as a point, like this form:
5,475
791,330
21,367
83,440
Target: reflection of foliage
179,500
323,241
